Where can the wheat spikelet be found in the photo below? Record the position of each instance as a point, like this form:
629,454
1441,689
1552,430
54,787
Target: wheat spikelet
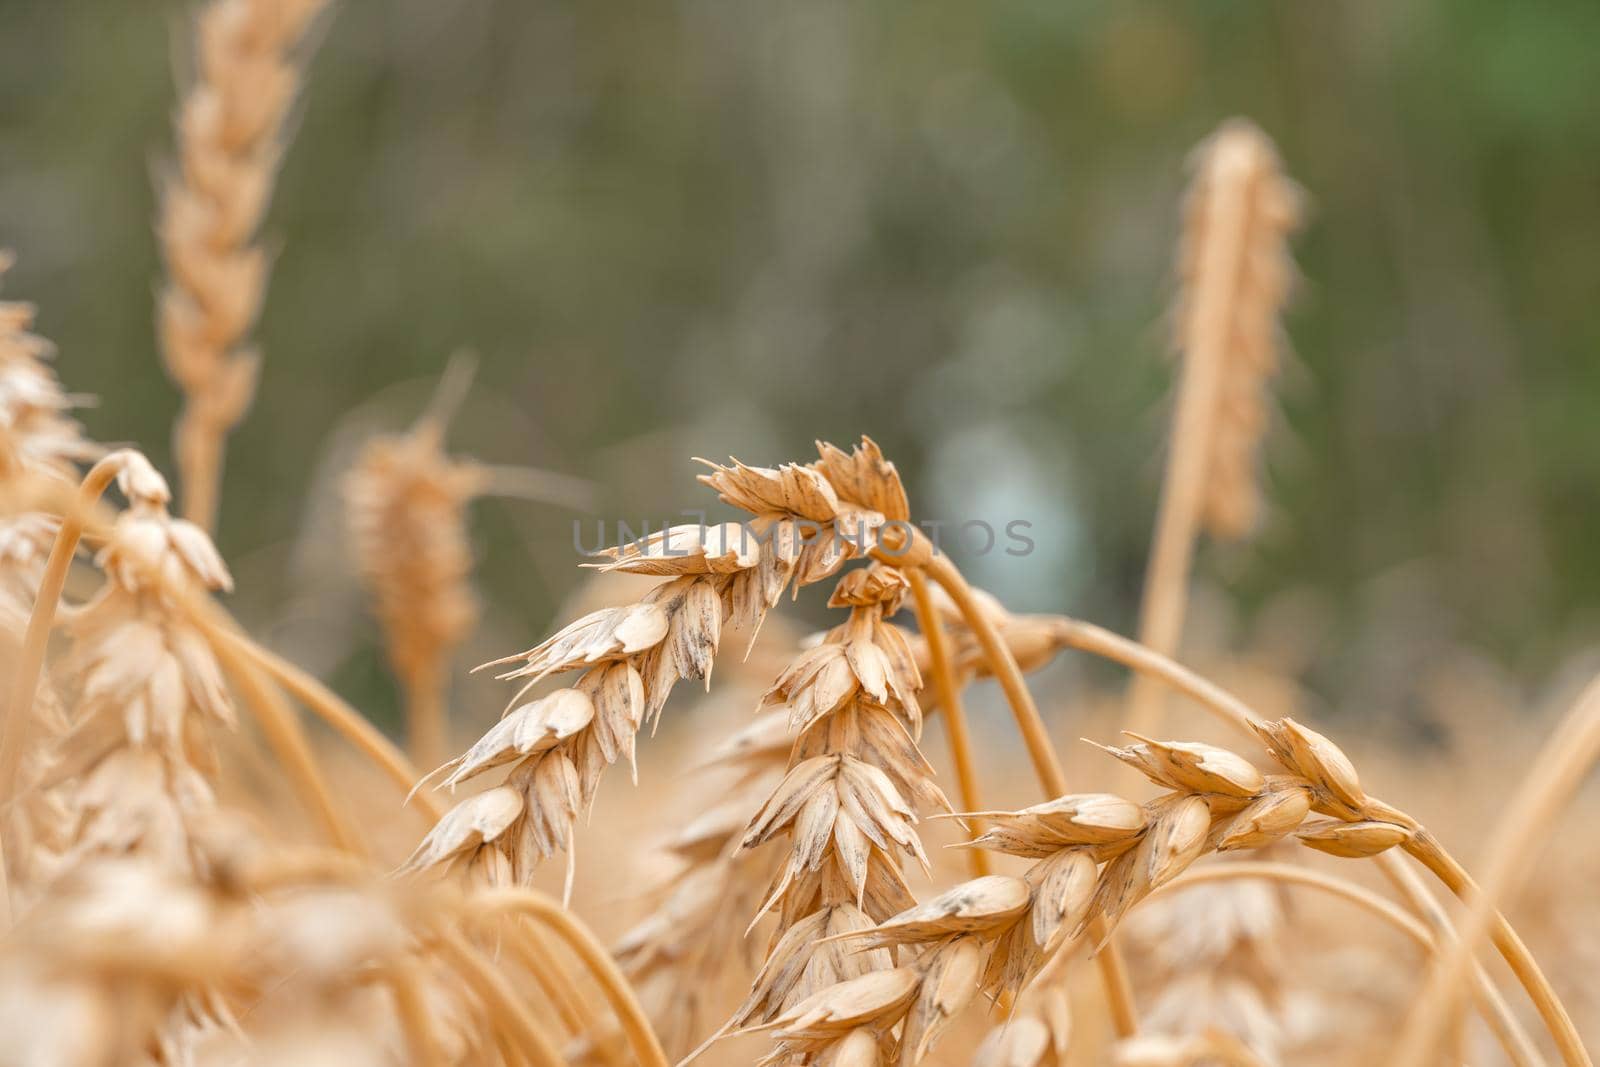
230,130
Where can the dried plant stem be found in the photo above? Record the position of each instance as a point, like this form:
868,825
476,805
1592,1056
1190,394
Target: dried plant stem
30,661
635,1023
535,959
500,999
288,742
427,731
331,709
955,716
1289,873
1526,825
1098,641
1423,846
1496,1013
416,1022
1046,765
1432,855
571,1002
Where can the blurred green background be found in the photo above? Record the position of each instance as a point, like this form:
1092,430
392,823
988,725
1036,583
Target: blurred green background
703,228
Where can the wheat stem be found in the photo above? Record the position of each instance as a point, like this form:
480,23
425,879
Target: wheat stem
287,740
1527,823
1289,873
331,709
416,1023
571,1002
635,1023
955,715
427,731
500,999
1432,855
30,661
1098,641
1505,1026
1046,765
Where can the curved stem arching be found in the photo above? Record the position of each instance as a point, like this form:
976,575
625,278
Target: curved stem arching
635,1023
1046,764
500,999
955,715
1527,824
1423,846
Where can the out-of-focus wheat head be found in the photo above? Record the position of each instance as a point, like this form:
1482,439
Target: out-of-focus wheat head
1235,274
230,127
38,435
406,502
145,687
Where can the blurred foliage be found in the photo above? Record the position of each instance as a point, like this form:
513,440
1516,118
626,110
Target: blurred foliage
702,228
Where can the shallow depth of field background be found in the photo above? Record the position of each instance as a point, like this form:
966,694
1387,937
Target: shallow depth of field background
703,228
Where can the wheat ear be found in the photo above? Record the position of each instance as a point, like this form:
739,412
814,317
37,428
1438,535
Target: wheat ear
1422,846
230,134
406,509
1235,270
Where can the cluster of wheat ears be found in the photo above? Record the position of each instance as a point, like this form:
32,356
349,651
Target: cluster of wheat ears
153,913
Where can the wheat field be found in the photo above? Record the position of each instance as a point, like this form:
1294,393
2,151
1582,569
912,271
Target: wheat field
878,843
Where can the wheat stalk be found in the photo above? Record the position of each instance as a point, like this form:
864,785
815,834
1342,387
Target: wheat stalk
1527,822
230,134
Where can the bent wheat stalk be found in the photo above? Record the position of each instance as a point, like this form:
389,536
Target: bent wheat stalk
955,715
598,962
1422,846
1526,824
1046,764
501,998
25,684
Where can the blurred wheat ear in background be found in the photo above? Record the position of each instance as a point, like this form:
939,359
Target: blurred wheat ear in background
1234,272
247,68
